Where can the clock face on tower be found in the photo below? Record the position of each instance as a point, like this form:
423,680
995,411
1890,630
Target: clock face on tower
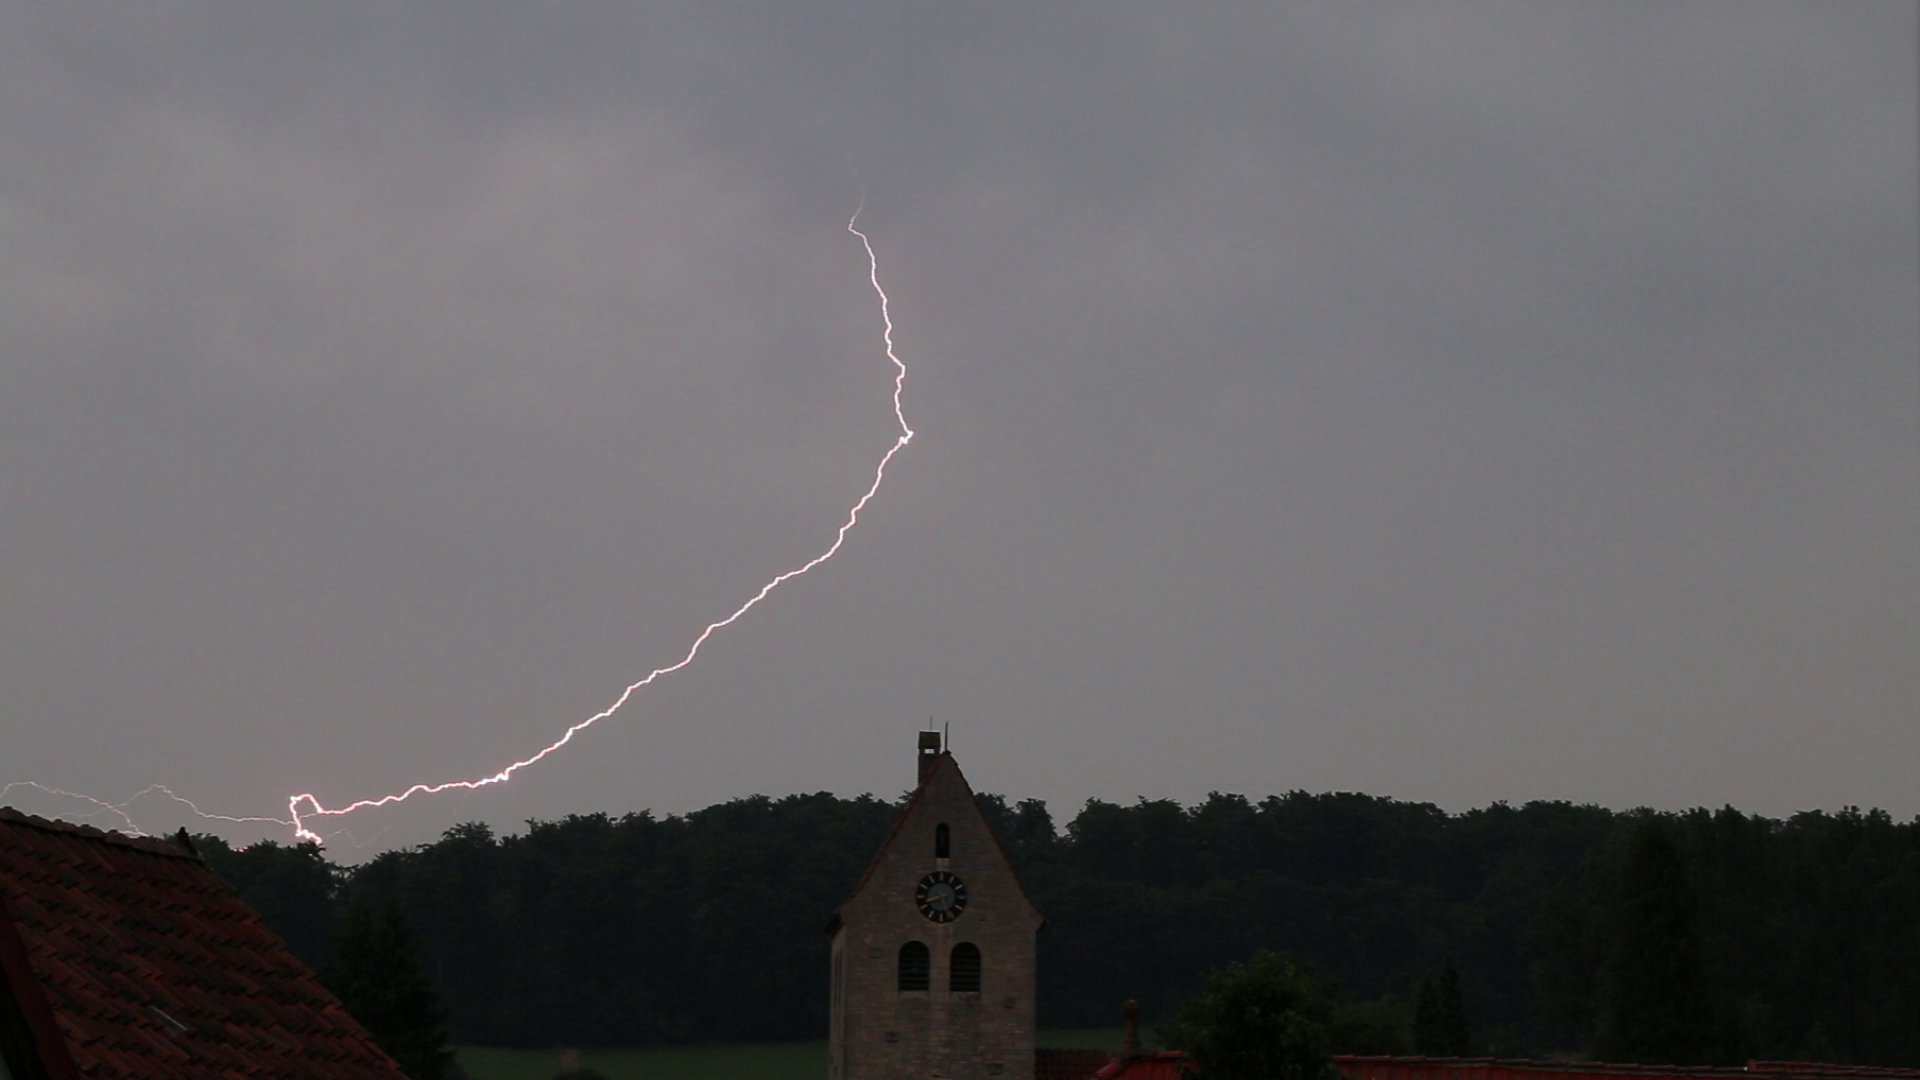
940,896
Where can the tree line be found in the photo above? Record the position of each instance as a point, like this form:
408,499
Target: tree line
1535,930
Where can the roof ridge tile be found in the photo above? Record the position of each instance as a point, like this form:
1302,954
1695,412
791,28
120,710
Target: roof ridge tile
152,845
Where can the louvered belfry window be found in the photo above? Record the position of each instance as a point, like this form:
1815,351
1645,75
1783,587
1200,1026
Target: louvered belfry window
942,841
963,972
916,966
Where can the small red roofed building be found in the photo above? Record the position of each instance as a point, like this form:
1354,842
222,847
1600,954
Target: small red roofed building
1134,1063
126,958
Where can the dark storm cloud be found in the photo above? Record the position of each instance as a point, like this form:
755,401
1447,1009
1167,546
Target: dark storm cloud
1460,402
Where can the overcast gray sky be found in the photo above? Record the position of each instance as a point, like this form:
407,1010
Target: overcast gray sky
1455,402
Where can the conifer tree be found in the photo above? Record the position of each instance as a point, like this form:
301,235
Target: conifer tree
376,975
1456,1037
1656,1009
1440,1016
1427,1036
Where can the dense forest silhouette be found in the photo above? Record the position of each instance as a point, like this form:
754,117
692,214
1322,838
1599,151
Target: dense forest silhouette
1780,939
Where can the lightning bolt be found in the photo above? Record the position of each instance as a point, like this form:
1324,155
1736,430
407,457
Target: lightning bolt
305,806
119,809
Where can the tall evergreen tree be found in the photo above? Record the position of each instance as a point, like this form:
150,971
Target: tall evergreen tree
1656,1007
1440,1016
1427,1034
1456,1037
376,975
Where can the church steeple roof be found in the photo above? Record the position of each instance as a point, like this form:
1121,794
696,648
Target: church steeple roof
935,765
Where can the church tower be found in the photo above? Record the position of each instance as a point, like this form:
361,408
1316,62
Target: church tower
933,954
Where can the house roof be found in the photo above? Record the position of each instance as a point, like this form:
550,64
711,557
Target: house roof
1100,1065
130,958
1068,1064
1149,1065
1357,1067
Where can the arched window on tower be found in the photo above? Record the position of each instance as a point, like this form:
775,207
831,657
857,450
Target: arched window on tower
942,840
963,970
916,966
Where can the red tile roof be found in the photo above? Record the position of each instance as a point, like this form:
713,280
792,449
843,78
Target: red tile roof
1354,1067
1100,1065
140,963
1068,1064
1151,1065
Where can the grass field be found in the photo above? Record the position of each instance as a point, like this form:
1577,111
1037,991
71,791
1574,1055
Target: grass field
735,1061
758,1061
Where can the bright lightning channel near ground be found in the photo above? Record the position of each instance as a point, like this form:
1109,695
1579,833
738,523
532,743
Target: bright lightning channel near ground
306,805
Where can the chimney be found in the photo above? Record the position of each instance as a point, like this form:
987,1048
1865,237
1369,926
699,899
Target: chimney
929,753
1131,1011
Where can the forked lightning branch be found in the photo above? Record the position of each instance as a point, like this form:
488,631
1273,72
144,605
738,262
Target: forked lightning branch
305,808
